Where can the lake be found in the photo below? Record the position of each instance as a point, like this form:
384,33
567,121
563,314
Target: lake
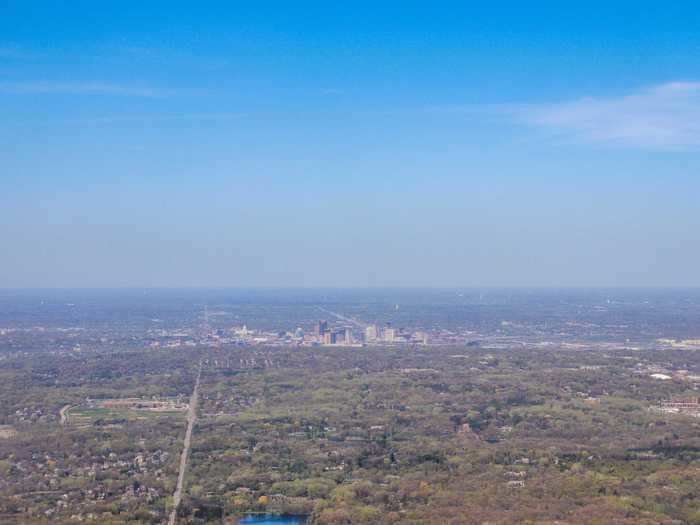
257,519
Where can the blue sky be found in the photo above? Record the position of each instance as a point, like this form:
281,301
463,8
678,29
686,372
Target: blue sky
319,144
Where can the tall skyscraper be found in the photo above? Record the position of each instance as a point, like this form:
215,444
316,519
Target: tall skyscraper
389,334
321,328
371,333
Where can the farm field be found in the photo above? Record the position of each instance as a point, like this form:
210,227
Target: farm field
120,410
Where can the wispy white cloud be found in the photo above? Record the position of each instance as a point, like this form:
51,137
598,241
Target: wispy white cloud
13,51
152,119
30,88
662,117
331,91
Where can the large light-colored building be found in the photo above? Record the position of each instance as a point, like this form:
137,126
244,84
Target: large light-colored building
421,337
371,333
389,334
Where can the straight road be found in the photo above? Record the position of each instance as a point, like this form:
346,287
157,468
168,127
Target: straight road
191,419
350,320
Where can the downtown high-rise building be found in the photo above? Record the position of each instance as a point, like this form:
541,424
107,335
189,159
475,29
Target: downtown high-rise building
389,334
321,328
371,333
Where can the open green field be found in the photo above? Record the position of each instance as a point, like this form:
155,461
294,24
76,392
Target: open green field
87,416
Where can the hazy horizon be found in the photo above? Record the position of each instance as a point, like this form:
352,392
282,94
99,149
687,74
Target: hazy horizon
456,288
317,145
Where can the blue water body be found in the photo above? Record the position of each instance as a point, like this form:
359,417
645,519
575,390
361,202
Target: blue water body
272,520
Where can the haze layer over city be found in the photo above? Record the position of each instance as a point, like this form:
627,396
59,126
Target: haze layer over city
313,144
312,263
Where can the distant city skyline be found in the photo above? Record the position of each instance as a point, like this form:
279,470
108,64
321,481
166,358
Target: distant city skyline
365,145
